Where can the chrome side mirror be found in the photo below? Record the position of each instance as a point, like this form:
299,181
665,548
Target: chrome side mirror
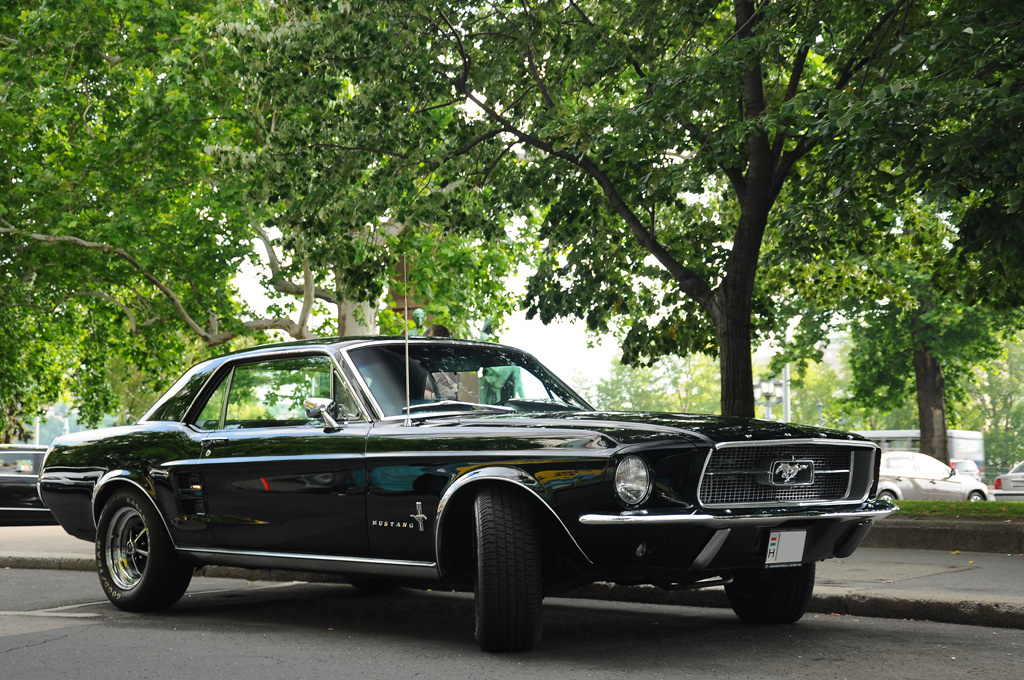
320,408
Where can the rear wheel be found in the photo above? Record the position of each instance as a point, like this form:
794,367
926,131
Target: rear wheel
886,496
976,496
772,595
508,587
137,565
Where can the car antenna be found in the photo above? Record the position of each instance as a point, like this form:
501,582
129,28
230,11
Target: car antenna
405,325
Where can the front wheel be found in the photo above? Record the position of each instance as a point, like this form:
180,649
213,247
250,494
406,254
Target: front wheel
508,588
771,595
976,496
137,565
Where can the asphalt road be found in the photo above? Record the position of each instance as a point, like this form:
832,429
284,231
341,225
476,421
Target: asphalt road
56,624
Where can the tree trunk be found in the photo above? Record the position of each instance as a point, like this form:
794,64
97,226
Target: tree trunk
931,405
349,314
734,346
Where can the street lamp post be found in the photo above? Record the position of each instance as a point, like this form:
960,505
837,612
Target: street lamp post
767,390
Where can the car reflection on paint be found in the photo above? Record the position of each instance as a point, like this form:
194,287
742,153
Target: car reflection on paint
450,463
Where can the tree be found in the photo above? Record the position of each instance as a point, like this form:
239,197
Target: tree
141,172
659,138
994,405
909,339
675,385
358,217
114,229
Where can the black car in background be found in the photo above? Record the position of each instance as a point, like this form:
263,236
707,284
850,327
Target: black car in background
434,462
19,474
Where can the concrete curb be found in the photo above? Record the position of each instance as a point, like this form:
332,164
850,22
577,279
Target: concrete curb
991,536
964,612
56,562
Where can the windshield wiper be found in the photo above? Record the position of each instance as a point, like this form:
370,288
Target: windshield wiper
454,402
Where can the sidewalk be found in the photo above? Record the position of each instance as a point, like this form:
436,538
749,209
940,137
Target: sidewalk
949,586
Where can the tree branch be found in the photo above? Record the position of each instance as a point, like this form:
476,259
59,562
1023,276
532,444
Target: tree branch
283,285
211,337
690,283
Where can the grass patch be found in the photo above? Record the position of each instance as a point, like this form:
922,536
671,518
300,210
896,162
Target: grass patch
954,509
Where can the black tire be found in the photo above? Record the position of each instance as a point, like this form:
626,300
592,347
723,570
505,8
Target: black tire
976,496
509,582
771,595
886,496
137,565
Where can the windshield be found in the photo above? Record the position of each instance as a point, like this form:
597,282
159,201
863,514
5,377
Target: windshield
446,377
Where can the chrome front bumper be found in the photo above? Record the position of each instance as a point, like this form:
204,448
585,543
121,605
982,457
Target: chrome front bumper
876,510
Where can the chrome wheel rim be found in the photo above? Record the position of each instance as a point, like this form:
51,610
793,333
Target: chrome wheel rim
127,547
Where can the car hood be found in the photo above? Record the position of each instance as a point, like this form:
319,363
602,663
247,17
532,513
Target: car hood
636,427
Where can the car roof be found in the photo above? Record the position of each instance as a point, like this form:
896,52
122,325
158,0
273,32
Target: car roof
356,340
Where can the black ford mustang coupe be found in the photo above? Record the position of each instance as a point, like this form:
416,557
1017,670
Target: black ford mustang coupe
466,464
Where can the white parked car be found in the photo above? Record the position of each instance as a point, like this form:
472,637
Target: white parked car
916,476
1010,486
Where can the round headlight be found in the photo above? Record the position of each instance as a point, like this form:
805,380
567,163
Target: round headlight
632,480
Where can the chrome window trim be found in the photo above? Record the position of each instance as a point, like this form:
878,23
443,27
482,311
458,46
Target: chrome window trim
364,388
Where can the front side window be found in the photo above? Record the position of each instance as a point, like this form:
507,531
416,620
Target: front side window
271,394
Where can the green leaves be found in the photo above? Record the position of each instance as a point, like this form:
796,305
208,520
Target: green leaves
114,216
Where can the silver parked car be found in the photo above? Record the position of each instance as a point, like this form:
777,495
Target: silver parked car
916,476
1010,485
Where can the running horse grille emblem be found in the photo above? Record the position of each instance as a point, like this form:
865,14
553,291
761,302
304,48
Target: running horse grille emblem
792,472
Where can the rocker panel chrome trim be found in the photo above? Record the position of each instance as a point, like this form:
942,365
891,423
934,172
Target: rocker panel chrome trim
255,559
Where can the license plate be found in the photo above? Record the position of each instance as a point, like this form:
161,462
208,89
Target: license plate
785,547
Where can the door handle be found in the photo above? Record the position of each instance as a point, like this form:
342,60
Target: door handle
211,442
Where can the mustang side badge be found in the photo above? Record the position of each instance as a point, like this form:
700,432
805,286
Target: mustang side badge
419,516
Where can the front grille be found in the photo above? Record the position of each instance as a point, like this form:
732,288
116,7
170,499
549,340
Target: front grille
742,475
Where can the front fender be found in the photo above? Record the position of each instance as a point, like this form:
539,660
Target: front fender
464,486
